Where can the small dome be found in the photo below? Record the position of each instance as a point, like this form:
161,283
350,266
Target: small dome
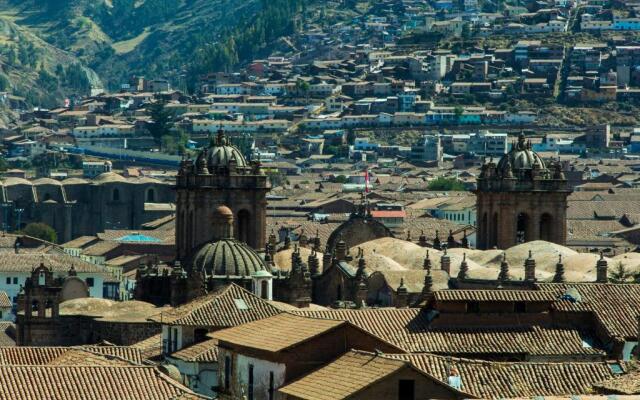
108,177
16,181
227,257
224,211
222,154
47,181
520,158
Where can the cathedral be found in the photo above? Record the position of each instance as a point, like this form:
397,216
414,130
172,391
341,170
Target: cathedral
221,211
521,199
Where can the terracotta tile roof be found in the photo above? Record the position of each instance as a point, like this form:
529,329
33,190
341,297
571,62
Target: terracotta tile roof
7,334
616,307
495,295
59,262
349,375
628,383
150,348
486,379
409,328
89,382
46,355
75,357
206,351
80,242
229,306
5,302
276,333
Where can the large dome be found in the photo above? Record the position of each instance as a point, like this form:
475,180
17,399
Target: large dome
222,154
520,159
226,257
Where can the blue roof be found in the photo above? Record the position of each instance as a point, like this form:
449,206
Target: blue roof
137,237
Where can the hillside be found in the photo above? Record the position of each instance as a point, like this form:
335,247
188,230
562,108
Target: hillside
155,38
37,70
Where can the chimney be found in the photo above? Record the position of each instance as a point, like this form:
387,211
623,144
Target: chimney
601,270
559,276
530,269
504,269
465,240
402,295
445,262
327,260
464,268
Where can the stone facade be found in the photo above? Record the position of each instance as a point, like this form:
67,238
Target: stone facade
520,200
77,207
220,176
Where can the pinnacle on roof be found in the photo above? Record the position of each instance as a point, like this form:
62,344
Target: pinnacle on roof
559,275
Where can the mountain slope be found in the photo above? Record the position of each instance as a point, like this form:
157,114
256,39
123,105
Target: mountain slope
157,38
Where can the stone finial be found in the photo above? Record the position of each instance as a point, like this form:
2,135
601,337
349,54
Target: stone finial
273,240
463,273
465,240
201,163
559,275
287,242
422,240
402,294
341,250
72,271
314,266
530,268
303,240
408,235
451,242
445,262
436,242
427,262
602,268
504,269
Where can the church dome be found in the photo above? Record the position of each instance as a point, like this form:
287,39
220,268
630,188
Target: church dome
227,257
520,158
222,154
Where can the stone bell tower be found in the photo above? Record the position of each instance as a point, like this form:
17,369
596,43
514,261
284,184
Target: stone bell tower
220,175
520,200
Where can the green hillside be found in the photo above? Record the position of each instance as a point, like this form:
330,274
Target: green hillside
113,39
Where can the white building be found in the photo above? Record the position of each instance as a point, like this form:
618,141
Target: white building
15,268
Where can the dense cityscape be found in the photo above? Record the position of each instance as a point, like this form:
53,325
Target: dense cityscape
319,200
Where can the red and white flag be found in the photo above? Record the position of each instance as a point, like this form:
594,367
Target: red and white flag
366,181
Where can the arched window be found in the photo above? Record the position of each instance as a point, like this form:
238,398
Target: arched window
47,197
521,228
494,231
485,231
264,290
42,280
115,195
546,227
151,195
35,304
244,218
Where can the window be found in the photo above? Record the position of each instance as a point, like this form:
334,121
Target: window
174,341
15,281
90,282
406,389
8,281
115,195
250,385
473,307
272,388
227,371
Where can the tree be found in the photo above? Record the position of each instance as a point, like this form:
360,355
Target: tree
41,231
446,184
161,121
620,274
341,179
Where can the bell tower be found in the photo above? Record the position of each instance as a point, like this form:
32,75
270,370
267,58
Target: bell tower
520,199
220,176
